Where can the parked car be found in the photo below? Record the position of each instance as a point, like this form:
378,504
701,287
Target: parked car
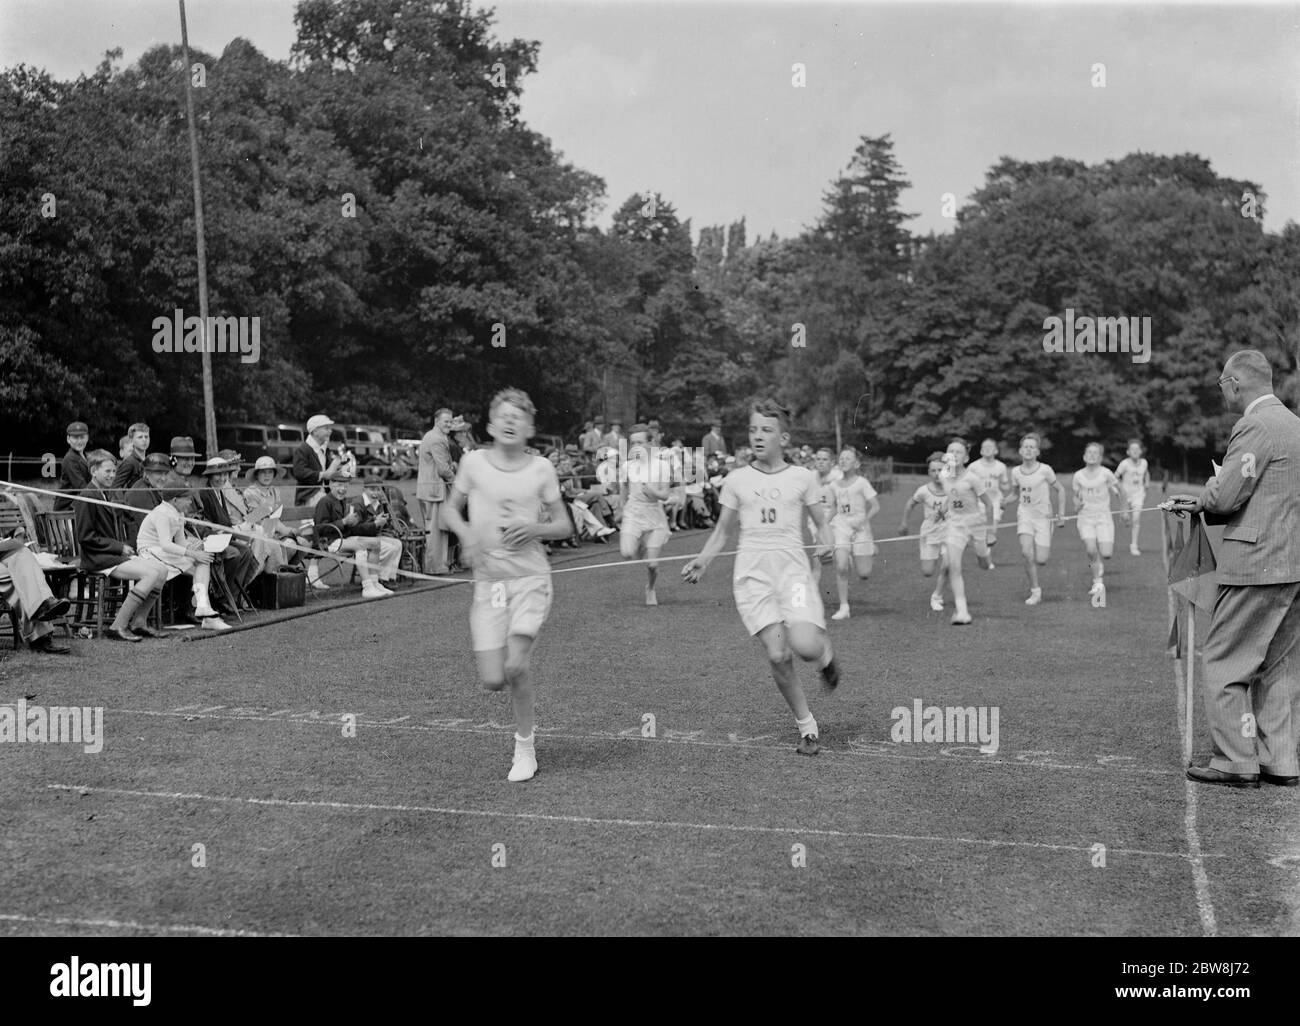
254,440
370,444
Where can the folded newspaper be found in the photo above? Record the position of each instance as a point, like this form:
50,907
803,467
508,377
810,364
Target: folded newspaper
216,542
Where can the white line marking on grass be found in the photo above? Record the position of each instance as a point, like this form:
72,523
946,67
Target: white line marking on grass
1106,762
119,924
739,828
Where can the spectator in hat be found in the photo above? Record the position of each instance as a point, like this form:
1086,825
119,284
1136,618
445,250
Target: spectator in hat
313,469
238,561
437,472
262,498
163,537
101,539
144,495
353,529
183,456
268,555
74,473
131,469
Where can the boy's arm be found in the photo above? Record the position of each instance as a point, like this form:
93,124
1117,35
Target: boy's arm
907,512
1060,498
694,570
823,528
873,507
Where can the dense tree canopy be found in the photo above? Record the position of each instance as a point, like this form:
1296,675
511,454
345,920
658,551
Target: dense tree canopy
407,242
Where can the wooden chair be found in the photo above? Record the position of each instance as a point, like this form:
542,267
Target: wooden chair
16,519
94,590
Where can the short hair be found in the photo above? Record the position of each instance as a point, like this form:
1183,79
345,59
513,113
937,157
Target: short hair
1137,442
513,396
769,407
853,451
136,427
958,438
1250,366
824,449
98,457
586,426
935,457
124,443
441,411
643,428
1094,445
1027,437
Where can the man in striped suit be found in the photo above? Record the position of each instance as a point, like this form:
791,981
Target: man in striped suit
1252,654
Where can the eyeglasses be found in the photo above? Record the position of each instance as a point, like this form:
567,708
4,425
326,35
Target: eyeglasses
1226,378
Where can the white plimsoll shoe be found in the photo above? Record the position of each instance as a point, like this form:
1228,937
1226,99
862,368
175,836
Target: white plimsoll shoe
1035,597
1098,594
841,614
374,591
214,623
650,598
523,768
961,617
1133,550
936,603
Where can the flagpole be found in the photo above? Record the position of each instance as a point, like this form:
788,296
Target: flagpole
209,414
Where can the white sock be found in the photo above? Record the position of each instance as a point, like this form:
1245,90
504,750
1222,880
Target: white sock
806,727
524,745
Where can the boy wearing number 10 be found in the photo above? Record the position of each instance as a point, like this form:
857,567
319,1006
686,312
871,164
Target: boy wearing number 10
775,594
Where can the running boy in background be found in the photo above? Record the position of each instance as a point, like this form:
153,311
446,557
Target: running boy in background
775,594
827,474
1134,476
934,500
1031,481
855,505
645,485
506,490
996,479
1093,487
967,521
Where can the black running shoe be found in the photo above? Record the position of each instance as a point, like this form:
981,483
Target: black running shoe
808,745
830,675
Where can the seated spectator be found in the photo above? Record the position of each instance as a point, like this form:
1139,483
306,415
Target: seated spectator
183,457
163,537
131,469
100,535
124,447
267,554
262,499
74,472
358,533
25,590
675,504
237,562
587,506
607,475
144,495
314,468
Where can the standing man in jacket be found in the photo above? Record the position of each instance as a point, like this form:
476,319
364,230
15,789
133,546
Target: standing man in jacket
436,475
1252,655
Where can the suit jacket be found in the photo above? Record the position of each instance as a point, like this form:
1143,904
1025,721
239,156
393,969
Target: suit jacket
143,498
99,533
129,471
331,511
307,471
1257,497
74,476
436,470
213,510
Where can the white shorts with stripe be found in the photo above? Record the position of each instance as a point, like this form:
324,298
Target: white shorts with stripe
776,587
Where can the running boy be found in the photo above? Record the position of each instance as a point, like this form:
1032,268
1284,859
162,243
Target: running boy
934,500
967,522
506,489
996,479
645,485
1031,481
855,505
1093,487
1134,476
827,474
774,591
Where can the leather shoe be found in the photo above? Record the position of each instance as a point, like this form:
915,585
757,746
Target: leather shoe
52,609
1273,778
147,632
46,644
113,634
1209,775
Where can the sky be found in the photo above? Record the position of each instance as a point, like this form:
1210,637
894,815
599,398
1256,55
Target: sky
697,100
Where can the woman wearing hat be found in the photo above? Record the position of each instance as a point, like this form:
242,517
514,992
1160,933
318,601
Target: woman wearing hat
183,455
269,555
261,499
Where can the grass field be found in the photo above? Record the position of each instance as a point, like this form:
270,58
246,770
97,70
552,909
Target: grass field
237,743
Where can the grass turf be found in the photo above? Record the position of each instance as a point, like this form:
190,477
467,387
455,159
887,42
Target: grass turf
237,743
